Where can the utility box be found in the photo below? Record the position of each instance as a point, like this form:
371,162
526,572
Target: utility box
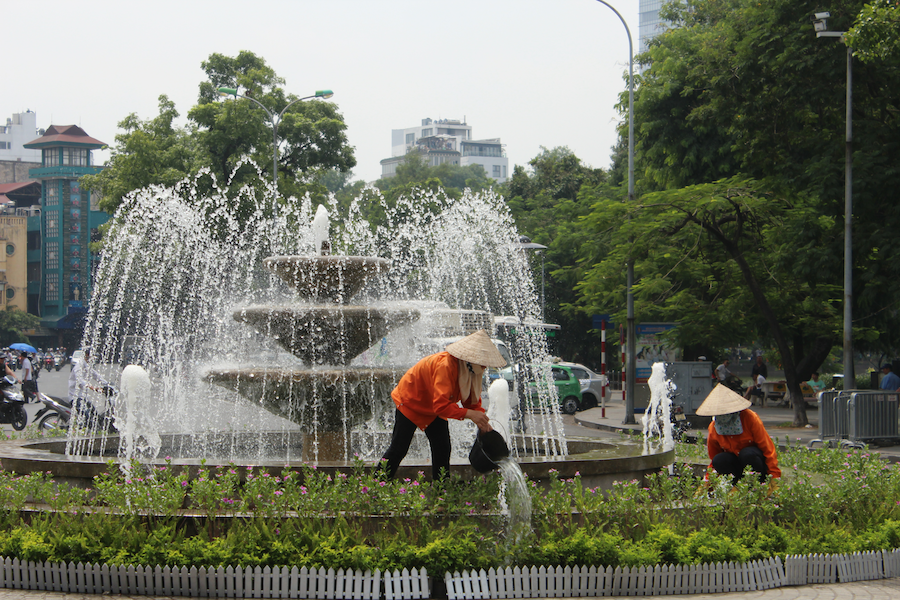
693,383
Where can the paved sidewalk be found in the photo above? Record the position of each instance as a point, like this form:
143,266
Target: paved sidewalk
881,589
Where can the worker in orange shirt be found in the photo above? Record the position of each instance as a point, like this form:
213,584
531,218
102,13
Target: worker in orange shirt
737,437
442,386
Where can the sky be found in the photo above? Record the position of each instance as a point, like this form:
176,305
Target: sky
531,72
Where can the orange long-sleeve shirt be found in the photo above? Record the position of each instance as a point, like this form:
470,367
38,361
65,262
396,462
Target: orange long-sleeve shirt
430,389
754,434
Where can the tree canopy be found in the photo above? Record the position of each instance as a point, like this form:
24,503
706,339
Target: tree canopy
222,135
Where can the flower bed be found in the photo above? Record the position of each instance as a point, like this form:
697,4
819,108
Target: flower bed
830,502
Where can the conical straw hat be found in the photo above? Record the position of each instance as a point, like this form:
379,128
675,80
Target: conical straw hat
477,349
722,401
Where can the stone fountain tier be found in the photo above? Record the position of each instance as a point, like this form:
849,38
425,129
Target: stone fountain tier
316,399
327,278
325,403
326,335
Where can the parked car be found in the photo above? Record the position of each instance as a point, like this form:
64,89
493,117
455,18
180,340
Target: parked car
76,356
591,384
567,386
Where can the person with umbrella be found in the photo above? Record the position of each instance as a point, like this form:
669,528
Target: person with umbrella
442,386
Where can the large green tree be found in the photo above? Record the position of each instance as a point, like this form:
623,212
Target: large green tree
223,134
148,152
744,89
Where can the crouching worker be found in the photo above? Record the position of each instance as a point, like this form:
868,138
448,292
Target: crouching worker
443,386
737,437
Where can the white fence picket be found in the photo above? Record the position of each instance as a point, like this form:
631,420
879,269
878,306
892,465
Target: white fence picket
891,563
859,566
821,569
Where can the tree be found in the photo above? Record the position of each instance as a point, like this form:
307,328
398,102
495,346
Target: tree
223,135
13,325
548,204
311,134
873,36
146,152
744,89
712,258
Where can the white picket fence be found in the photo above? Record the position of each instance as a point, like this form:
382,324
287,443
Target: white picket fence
511,582
663,580
219,582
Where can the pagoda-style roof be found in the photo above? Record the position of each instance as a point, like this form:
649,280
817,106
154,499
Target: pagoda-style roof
65,135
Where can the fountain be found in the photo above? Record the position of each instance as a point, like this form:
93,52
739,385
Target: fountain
329,401
195,289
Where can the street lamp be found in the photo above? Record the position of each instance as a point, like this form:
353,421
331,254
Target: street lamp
629,279
525,243
820,24
275,120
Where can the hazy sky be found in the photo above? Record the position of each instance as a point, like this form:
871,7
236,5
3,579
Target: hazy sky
531,72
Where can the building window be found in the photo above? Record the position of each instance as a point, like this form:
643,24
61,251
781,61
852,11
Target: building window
410,138
497,171
52,288
52,255
52,225
10,293
53,192
10,249
504,171
426,132
5,145
75,156
51,157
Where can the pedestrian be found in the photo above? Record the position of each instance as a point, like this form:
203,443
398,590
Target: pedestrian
722,371
890,382
29,378
737,438
442,386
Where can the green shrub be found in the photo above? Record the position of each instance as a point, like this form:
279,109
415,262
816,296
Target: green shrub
706,547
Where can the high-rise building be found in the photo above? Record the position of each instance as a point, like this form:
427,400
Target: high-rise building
447,141
69,221
650,24
15,159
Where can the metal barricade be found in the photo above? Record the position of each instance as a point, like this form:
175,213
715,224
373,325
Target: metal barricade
874,416
834,419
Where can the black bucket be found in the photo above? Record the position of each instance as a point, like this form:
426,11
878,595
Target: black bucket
489,449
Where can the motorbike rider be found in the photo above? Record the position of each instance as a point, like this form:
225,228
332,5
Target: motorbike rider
6,370
722,371
80,382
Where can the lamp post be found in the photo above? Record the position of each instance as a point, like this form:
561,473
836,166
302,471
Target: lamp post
275,120
820,24
525,243
629,278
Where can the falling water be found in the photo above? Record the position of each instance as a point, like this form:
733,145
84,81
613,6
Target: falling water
178,263
656,421
517,500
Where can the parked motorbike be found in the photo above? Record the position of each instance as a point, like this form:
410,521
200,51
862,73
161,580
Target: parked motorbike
12,405
734,383
58,413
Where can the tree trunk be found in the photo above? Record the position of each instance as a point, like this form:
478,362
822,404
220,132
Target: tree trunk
784,349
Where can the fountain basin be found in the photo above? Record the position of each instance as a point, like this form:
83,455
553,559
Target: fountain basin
326,278
598,463
332,335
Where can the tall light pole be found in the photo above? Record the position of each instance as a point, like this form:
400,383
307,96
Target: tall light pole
525,243
629,278
820,24
275,120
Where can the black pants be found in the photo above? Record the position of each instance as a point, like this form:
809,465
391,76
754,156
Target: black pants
29,390
727,463
438,434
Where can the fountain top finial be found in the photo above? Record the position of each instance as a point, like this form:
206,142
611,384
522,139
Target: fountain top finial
320,227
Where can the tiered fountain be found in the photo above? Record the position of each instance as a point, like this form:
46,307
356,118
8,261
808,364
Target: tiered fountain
180,276
326,397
